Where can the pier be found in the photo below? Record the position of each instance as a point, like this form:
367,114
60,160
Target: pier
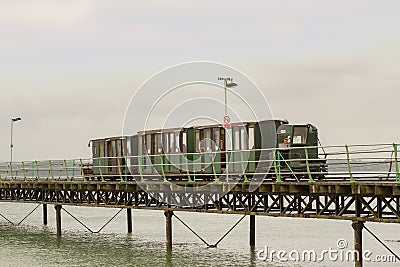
370,197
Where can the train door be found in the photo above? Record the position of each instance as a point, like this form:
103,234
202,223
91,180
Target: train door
208,148
175,159
111,157
95,149
251,155
298,141
102,155
217,146
167,143
191,148
183,141
183,149
240,148
96,155
171,151
141,152
199,148
121,151
155,162
156,152
312,140
128,153
147,153
228,148
208,143
135,147
284,139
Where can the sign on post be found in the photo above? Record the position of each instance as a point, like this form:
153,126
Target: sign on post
227,122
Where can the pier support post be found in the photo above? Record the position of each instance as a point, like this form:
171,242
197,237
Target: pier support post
358,226
252,230
44,214
129,219
168,227
58,219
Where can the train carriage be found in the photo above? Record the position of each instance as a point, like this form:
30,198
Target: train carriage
210,150
294,141
159,151
108,157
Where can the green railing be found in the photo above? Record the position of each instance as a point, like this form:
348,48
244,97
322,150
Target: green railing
350,163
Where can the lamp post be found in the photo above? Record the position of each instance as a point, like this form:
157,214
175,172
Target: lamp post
11,143
227,120
231,84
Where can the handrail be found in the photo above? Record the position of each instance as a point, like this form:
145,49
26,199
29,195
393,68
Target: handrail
310,179
396,162
350,162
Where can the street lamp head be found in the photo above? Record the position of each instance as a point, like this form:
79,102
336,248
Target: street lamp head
231,85
225,79
228,82
16,119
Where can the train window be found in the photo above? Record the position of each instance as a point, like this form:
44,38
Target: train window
165,142
283,140
145,143
118,144
177,142
159,143
251,137
148,144
228,139
300,135
128,147
171,143
216,139
142,145
123,147
197,137
94,149
153,144
207,140
102,151
184,143
113,149
222,139
236,138
119,148
243,138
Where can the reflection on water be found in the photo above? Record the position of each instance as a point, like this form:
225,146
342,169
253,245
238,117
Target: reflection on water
32,244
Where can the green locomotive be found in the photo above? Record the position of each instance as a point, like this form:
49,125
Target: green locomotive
207,151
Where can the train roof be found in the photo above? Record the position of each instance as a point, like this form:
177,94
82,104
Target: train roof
109,138
168,130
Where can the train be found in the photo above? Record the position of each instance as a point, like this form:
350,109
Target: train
208,151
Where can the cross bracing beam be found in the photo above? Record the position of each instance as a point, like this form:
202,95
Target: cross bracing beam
378,202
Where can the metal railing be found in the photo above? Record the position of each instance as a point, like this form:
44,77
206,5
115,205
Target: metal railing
377,162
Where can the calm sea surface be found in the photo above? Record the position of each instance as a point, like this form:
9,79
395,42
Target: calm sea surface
32,244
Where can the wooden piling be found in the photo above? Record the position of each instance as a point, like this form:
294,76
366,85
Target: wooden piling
358,226
58,219
44,214
252,230
168,226
129,219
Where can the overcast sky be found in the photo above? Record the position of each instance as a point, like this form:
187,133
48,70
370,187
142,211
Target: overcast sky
69,68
